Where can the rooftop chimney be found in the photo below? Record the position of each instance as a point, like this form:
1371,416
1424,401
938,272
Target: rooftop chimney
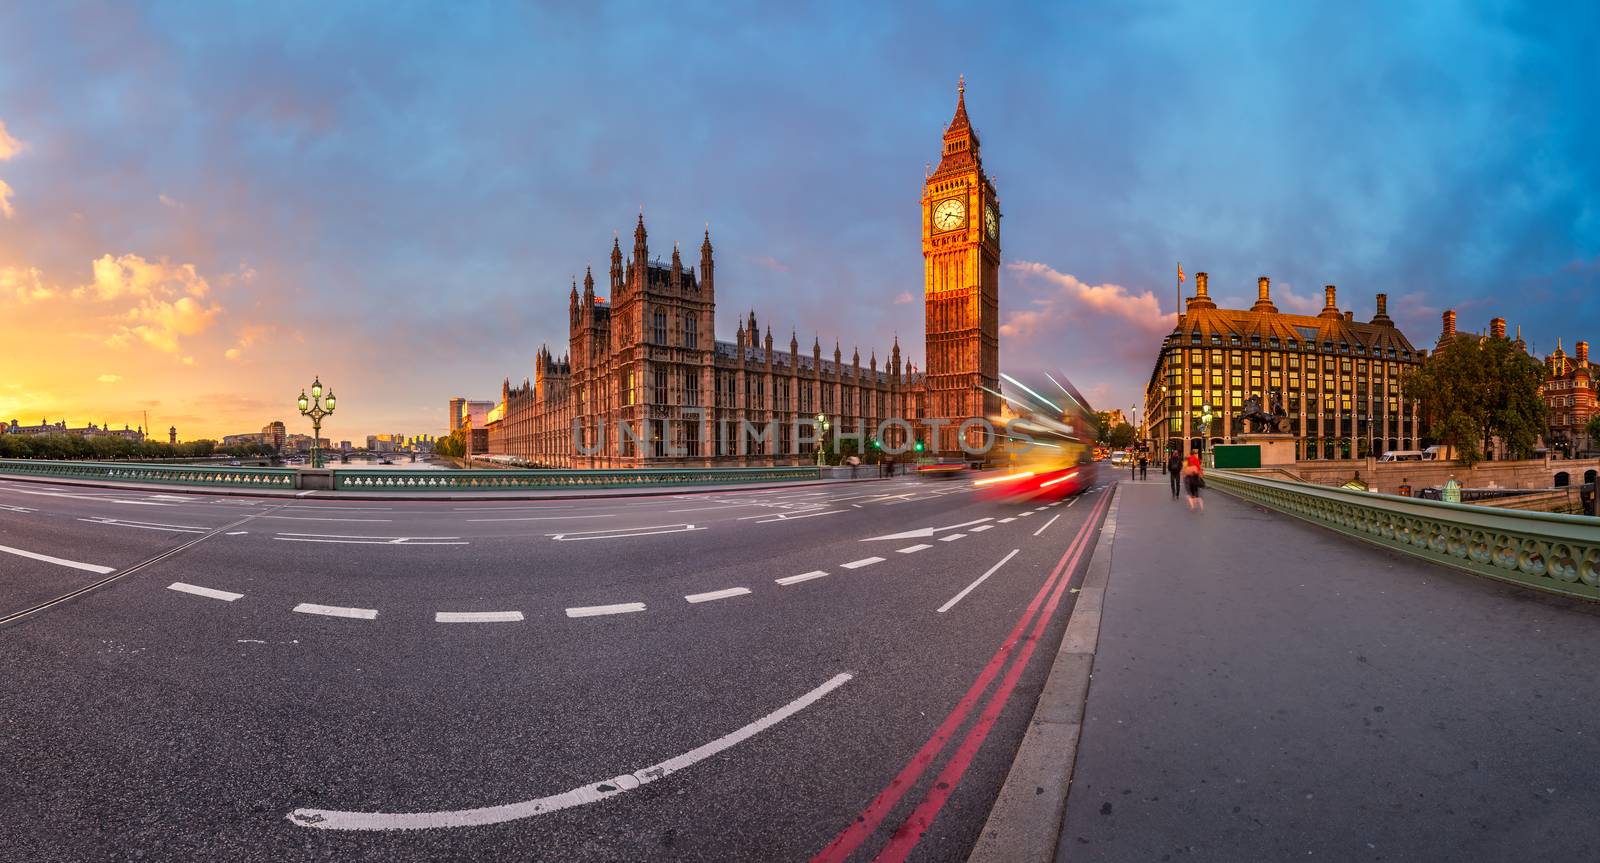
1263,296
1330,306
1201,298
1497,328
1583,353
1349,316
1449,330
1382,317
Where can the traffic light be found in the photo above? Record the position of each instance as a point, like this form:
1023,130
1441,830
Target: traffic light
918,446
875,443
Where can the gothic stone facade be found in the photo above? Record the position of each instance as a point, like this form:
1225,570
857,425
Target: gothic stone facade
644,382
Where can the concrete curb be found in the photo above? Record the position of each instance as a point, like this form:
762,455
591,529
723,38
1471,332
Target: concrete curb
1025,824
484,495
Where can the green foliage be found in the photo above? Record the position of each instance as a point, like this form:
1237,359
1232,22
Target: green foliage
1592,429
1474,390
454,445
1121,437
74,448
1102,427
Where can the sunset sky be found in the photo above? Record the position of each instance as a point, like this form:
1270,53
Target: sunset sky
202,209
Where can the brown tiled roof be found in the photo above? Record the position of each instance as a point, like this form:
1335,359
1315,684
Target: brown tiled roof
1302,328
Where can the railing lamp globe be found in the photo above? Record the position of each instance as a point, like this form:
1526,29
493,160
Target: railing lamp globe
316,388
304,403
329,401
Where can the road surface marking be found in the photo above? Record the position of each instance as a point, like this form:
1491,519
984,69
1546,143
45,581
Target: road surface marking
1007,520
476,616
223,595
598,610
924,532
172,497
980,528
337,611
347,539
1069,505
329,819
89,497
806,515
952,537
1047,524
804,576
973,586
58,561
326,518
865,561
1024,514
714,508
236,533
717,594
621,532
545,517
913,549
146,525
22,509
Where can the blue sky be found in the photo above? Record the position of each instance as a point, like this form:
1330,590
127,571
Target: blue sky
396,196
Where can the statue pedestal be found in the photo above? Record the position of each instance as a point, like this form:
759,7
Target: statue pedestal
1276,449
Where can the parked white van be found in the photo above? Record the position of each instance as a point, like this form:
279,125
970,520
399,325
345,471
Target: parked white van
1401,455
1437,453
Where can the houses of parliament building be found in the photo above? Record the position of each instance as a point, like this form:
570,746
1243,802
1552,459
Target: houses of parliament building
645,383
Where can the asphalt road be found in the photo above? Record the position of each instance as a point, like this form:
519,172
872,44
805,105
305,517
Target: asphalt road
756,675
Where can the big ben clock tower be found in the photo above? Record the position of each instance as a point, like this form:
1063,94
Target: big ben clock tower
961,257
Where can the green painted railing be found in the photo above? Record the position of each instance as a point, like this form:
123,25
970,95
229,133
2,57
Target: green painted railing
1547,551
518,480
229,477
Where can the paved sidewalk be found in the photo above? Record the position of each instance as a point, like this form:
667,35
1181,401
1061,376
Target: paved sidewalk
1264,689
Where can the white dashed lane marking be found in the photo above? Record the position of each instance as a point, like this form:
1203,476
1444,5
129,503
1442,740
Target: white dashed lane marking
598,610
1007,520
952,537
209,593
58,561
913,549
337,611
804,576
981,528
718,594
865,561
477,616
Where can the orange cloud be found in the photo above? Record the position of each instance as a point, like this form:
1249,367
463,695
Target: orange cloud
9,146
169,300
1069,299
5,200
24,285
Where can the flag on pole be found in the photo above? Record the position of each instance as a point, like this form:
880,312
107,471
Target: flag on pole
1180,271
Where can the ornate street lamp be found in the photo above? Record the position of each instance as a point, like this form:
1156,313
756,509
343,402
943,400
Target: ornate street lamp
822,432
316,407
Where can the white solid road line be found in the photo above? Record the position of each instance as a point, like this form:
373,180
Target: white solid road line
477,616
223,595
795,517
329,819
326,518
369,540
952,537
236,533
865,561
714,508
1047,524
804,576
1070,503
598,610
913,549
718,594
621,532
973,586
337,611
146,525
58,561
545,517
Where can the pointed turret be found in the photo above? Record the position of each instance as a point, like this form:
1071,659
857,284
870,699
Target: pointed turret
706,263
794,343
677,269
960,139
616,266
641,252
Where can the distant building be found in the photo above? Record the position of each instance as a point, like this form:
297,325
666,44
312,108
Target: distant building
273,434
61,428
1570,394
457,405
244,439
172,435
1337,379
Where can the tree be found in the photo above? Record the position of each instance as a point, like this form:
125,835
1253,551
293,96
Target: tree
1474,390
1592,430
1102,427
1122,436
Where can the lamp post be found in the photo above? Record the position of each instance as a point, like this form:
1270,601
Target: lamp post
316,407
822,432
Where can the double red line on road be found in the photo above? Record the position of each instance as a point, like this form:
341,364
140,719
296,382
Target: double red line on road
907,835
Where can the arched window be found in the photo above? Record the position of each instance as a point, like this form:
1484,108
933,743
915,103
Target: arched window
1563,479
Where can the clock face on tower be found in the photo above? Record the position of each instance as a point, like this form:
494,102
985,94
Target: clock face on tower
991,222
949,214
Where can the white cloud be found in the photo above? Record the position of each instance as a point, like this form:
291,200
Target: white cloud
169,202
5,200
170,300
1068,301
905,298
9,146
24,285
109,379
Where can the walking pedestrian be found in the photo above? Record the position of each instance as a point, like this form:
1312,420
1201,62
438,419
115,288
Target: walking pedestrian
1174,471
1193,481
1144,467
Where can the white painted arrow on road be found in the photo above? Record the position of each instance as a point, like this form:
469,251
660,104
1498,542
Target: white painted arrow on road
923,532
